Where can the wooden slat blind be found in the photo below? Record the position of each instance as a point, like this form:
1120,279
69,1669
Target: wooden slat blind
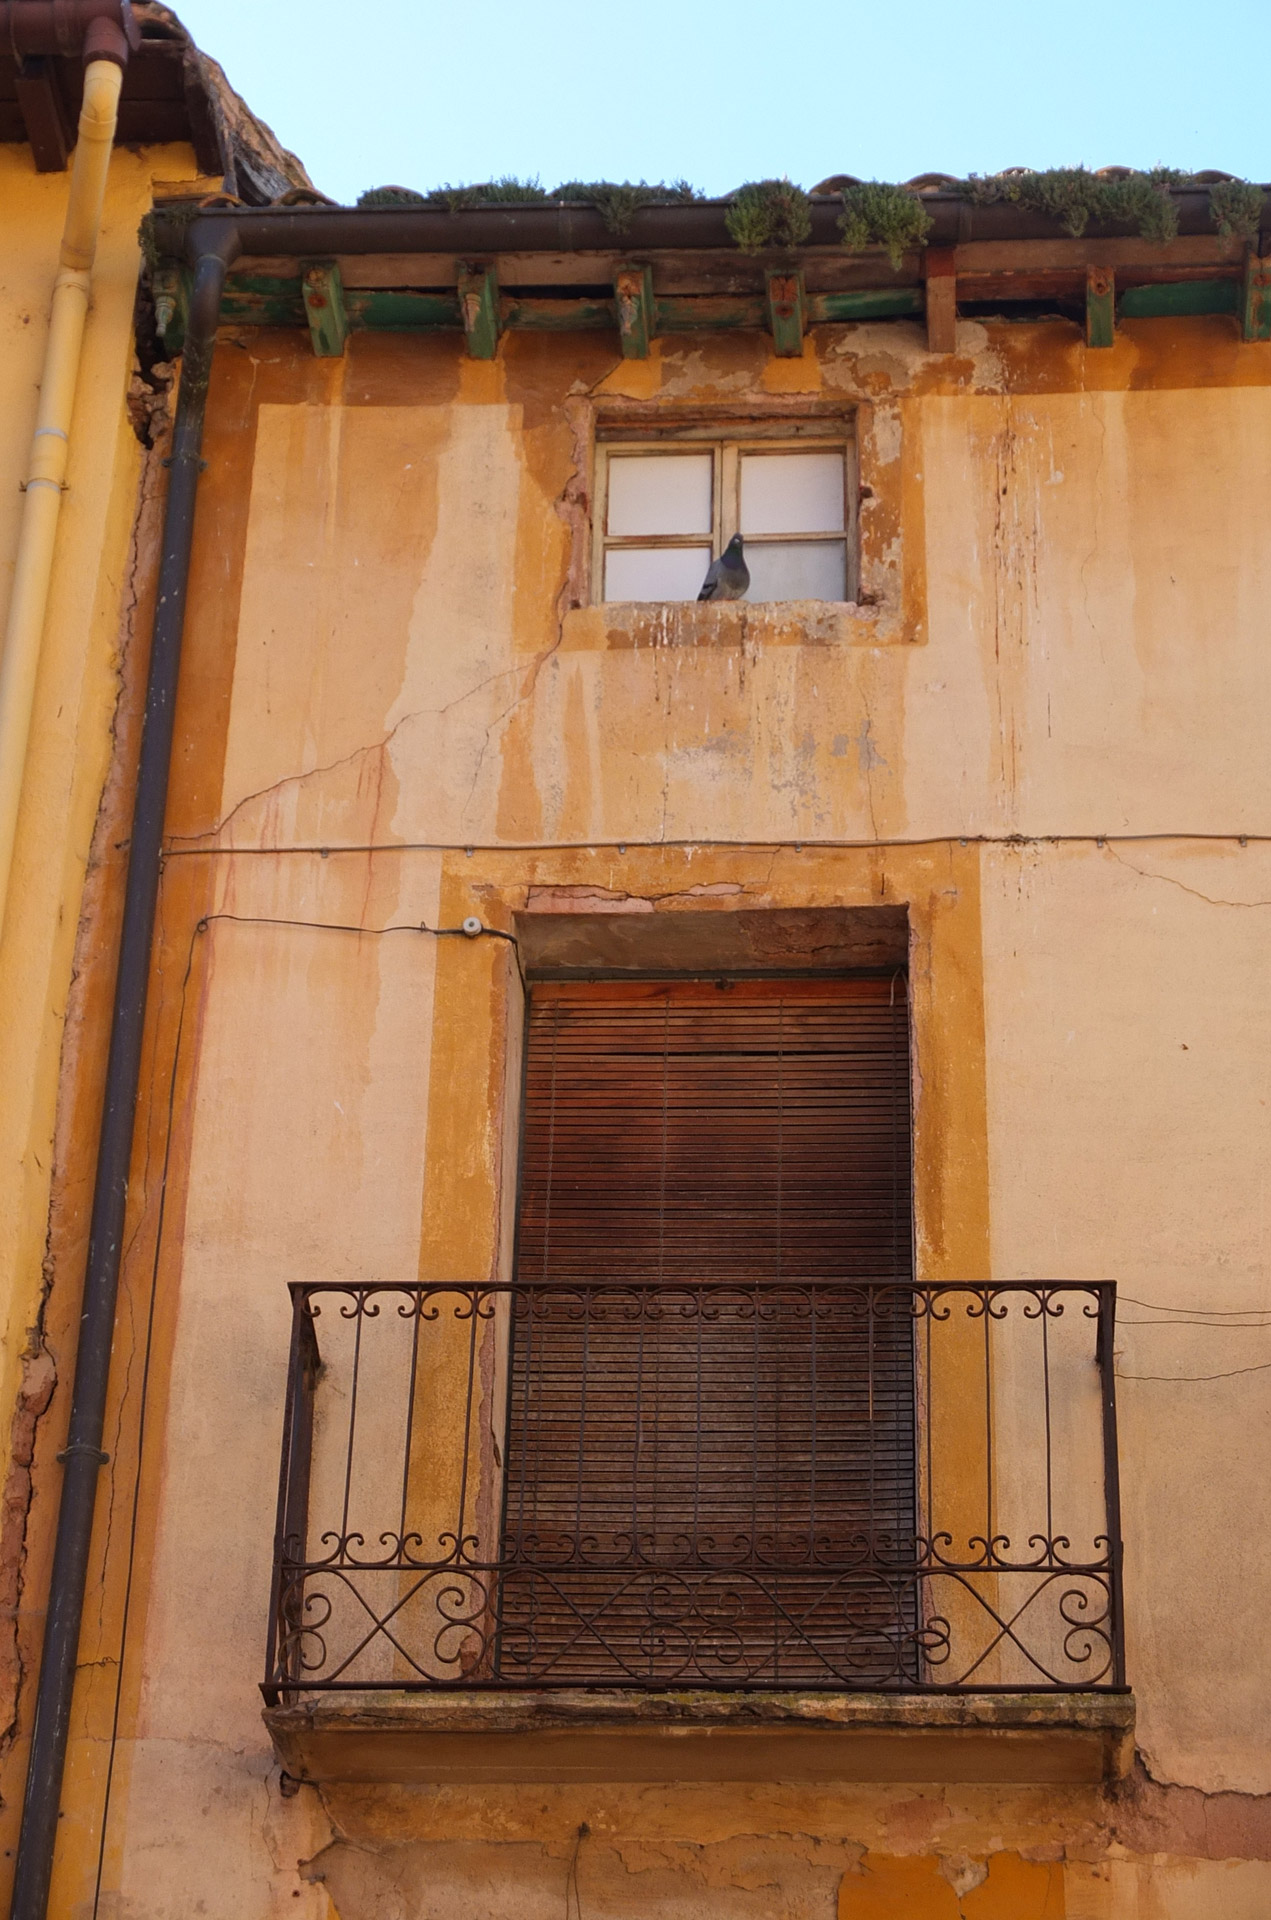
696,1477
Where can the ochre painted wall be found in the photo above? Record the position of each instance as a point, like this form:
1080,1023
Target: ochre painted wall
391,714
88,626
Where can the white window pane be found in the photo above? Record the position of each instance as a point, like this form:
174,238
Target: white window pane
661,493
792,493
655,573
797,570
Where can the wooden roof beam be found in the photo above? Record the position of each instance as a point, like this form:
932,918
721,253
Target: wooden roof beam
1101,307
637,314
325,309
44,114
941,264
479,310
787,313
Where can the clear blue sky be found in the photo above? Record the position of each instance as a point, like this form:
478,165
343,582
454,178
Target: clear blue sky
416,94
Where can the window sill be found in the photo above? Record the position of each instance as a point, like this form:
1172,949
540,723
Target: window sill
626,624
456,1738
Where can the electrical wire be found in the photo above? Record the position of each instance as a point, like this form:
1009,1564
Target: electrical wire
571,1876
1187,1379
1212,1313
176,850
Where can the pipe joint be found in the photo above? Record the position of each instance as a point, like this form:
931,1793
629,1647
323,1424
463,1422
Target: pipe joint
48,459
107,39
94,29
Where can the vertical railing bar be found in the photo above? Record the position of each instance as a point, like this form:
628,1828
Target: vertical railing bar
301,1463
930,1298
410,1416
360,1295
986,1316
473,1298
273,1648
532,1299
500,1555
1044,1298
1106,1359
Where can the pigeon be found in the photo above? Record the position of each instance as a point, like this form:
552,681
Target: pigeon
728,577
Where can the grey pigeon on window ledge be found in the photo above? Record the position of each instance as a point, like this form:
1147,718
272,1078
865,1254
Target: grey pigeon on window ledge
728,577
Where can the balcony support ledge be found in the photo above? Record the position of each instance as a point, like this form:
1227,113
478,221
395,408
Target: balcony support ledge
465,1738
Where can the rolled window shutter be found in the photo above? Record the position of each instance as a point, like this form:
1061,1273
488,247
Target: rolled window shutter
710,1465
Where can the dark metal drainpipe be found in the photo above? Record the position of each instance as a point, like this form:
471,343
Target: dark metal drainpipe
83,1457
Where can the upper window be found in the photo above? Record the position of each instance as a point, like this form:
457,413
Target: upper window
666,509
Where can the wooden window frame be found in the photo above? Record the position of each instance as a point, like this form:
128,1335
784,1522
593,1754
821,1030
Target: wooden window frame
727,442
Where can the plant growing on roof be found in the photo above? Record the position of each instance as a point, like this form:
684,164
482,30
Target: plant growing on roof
769,213
617,201
507,192
877,214
391,197
1074,197
1235,207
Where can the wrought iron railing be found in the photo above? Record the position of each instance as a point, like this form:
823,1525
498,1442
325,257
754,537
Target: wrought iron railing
753,1485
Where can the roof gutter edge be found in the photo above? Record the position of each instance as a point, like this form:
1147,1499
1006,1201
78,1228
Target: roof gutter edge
564,227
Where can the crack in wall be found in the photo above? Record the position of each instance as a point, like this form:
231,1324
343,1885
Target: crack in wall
1169,880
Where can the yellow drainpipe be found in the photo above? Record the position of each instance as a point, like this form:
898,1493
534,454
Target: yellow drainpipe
50,444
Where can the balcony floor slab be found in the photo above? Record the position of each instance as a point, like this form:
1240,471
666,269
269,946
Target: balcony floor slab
453,1738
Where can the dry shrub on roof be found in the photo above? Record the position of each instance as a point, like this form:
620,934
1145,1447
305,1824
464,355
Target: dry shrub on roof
1073,196
1235,207
391,197
769,213
618,201
877,214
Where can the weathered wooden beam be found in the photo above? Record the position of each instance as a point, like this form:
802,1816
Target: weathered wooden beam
1163,298
44,115
276,300
941,265
1255,299
637,316
479,310
402,310
685,312
558,316
870,303
1101,305
787,313
325,308
1044,256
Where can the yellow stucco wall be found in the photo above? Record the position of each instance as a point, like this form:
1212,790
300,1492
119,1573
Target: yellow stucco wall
388,716
69,754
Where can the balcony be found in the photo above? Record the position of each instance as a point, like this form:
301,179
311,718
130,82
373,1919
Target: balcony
597,1510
